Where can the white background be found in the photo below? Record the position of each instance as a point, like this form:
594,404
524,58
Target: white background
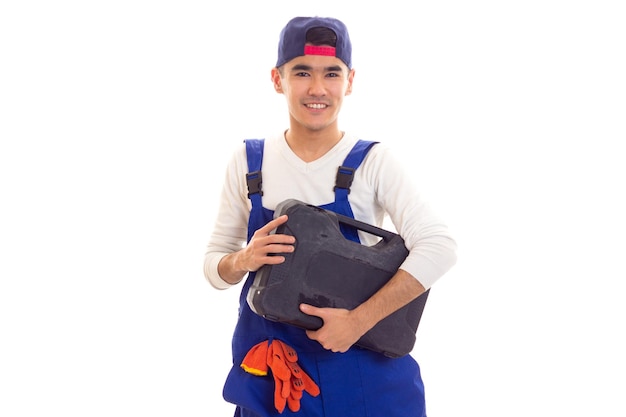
116,120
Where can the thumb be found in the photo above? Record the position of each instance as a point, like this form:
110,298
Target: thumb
311,310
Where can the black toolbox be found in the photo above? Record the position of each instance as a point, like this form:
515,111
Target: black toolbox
328,270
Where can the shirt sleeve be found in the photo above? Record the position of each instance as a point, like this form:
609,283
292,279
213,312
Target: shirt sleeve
432,250
230,229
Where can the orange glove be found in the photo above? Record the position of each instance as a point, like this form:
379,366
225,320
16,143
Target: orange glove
300,380
255,361
282,375
289,379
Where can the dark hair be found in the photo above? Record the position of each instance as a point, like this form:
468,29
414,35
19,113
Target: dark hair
321,36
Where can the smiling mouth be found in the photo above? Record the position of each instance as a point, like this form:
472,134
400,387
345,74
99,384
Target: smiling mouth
317,106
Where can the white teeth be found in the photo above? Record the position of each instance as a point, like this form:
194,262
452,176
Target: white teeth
316,106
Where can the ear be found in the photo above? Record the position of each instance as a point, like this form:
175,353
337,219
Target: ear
276,80
350,80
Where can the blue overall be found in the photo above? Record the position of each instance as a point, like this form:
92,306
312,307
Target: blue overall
357,383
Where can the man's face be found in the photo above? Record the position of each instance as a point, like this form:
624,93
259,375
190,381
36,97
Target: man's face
314,87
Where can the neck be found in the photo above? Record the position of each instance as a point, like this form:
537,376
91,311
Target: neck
311,145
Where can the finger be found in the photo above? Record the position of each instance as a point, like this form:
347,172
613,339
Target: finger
286,389
262,239
296,371
293,404
272,260
290,353
279,400
309,385
297,386
275,248
311,310
273,224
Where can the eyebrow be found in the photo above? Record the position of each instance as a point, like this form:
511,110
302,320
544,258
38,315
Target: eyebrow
302,67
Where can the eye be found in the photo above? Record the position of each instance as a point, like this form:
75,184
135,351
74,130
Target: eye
333,75
302,74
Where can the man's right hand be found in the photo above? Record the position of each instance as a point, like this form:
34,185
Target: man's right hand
263,249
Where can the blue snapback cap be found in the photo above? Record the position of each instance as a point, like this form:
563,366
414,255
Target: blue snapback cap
292,43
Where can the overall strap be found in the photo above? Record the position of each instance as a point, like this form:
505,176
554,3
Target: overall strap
254,154
345,173
345,176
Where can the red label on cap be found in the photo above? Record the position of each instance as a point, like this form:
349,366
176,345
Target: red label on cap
319,50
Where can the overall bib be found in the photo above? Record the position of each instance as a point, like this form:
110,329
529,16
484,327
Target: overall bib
357,383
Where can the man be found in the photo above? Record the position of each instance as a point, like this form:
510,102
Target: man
314,72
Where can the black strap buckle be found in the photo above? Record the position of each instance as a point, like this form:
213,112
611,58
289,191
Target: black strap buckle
345,175
255,182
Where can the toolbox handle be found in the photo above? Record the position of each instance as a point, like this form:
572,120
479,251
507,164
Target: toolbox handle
386,235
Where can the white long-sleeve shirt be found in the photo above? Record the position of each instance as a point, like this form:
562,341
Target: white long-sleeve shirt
381,186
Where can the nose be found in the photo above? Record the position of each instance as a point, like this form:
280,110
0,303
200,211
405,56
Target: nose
317,87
